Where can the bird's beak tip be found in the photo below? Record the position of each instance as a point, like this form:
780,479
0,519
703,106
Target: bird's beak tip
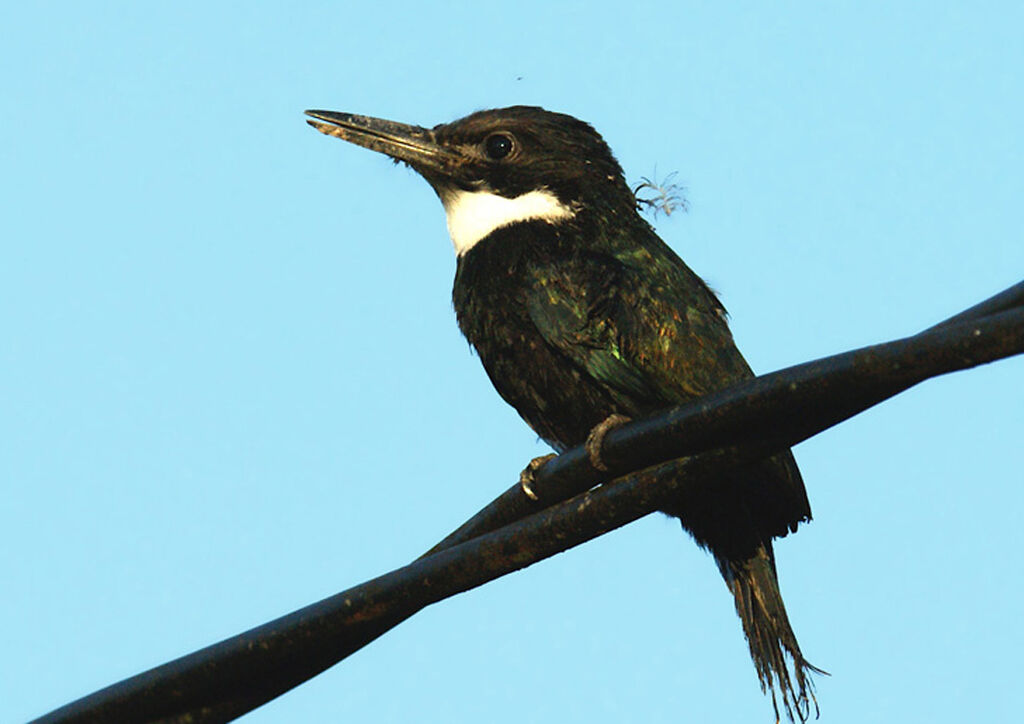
400,141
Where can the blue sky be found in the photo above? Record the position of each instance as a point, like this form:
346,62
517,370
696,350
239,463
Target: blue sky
231,382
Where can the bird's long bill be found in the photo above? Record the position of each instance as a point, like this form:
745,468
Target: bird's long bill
413,144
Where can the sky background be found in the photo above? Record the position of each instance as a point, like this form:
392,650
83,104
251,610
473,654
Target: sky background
231,383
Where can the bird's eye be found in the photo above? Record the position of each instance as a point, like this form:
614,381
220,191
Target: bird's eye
498,146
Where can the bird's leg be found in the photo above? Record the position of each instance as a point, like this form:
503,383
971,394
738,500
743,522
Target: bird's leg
526,477
595,440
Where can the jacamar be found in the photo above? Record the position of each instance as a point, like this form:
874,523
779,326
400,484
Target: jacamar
583,317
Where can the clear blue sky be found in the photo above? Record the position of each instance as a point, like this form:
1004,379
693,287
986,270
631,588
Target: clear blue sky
231,382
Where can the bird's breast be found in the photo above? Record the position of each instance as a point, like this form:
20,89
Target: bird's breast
553,394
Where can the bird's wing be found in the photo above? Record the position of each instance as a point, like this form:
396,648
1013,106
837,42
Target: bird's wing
652,334
641,323
566,309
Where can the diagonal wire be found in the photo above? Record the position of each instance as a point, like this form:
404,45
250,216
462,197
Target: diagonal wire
682,447
819,391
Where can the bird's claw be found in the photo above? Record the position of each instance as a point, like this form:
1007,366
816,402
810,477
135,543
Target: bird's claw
526,478
595,439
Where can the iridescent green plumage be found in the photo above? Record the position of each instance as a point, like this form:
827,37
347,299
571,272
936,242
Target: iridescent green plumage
585,313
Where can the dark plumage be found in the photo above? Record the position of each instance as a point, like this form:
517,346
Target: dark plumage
579,311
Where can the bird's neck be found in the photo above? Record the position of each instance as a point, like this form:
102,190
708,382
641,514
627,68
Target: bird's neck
473,216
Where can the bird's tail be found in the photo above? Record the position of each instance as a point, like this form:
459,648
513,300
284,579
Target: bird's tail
755,586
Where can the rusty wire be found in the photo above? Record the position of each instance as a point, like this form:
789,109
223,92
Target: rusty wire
683,446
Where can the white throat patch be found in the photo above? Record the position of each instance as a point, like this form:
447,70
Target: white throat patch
472,215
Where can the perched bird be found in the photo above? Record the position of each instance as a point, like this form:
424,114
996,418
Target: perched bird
583,317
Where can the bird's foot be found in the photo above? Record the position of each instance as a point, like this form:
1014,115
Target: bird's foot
527,476
595,440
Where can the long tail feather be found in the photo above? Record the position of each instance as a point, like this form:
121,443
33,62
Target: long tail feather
755,587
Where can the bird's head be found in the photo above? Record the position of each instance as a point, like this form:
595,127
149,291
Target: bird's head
498,167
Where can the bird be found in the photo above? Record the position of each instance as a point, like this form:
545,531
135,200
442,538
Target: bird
584,319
